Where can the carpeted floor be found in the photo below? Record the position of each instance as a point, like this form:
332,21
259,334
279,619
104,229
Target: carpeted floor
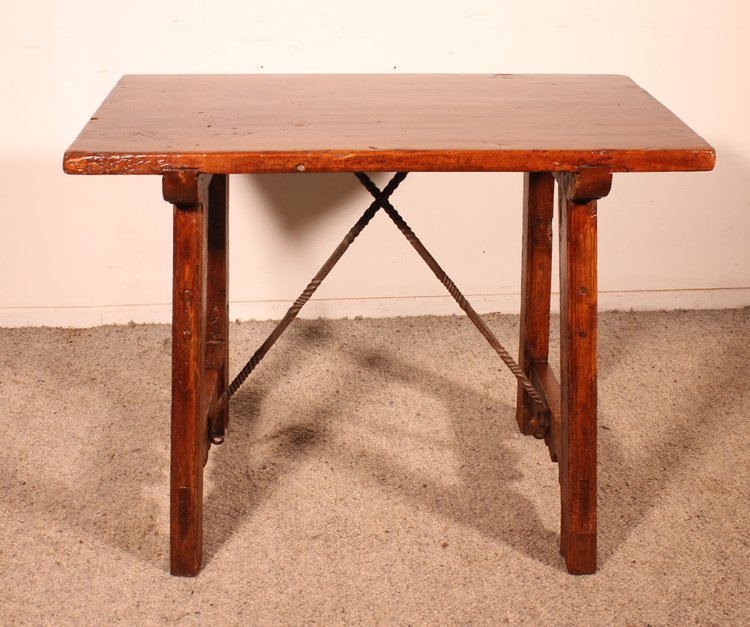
373,474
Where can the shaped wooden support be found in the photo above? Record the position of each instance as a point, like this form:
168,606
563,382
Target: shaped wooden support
572,430
198,349
578,195
217,295
536,285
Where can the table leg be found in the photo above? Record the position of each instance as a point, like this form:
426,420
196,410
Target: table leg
578,342
188,191
536,277
217,304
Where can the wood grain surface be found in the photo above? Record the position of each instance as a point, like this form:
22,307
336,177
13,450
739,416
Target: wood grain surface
536,283
578,367
189,193
332,123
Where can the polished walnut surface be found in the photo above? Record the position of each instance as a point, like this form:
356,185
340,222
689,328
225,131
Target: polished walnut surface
338,122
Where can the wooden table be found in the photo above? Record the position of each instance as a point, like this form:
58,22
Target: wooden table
577,130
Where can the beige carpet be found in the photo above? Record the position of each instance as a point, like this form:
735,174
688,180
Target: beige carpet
373,475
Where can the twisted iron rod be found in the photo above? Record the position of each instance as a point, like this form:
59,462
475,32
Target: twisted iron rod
217,421
464,304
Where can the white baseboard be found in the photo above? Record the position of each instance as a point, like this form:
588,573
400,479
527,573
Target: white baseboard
729,298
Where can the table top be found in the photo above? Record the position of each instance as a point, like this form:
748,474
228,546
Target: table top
373,122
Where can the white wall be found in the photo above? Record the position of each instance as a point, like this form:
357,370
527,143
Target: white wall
87,250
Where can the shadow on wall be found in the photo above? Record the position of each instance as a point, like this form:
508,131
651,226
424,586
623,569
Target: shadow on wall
298,200
677,231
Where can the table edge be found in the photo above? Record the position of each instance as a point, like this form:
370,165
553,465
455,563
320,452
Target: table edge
654,160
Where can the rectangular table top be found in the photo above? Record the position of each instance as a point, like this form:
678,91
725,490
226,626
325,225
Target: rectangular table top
372,122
